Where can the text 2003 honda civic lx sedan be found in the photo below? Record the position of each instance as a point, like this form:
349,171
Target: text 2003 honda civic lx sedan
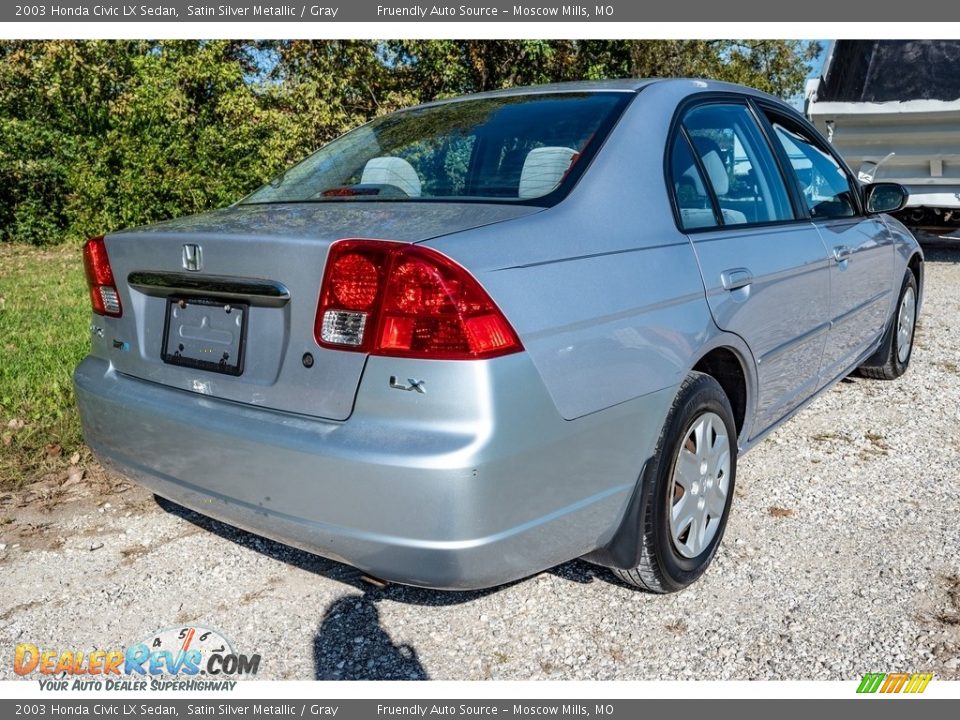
474,339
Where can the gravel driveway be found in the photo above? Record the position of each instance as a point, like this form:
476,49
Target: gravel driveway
841,557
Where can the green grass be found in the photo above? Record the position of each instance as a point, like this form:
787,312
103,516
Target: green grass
44,321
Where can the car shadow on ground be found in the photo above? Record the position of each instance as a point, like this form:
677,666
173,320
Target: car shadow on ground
942,245
351,643
943,253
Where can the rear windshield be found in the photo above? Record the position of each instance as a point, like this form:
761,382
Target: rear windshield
525,149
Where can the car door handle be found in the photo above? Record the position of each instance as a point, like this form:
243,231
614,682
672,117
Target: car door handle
841,253
736,278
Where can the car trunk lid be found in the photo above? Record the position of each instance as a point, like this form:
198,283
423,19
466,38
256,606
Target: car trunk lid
257,271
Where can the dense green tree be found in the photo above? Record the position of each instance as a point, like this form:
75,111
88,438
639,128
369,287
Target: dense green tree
328,87
450,67
441,68
97,135
54,96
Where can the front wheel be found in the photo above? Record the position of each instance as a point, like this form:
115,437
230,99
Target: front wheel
893,357
687,488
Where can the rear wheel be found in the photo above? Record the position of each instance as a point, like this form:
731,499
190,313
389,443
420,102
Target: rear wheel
893,357
687,489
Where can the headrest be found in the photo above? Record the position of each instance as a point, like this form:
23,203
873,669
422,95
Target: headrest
717,172
543,170
391,171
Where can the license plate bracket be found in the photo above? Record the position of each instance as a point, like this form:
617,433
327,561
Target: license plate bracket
205,334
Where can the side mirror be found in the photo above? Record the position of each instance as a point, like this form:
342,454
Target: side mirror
885,197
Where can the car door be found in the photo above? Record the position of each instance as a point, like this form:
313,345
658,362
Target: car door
860,246
765,269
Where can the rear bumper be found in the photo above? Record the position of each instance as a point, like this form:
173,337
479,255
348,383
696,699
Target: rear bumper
453,489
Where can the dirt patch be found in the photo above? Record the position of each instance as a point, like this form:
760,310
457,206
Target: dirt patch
677,627
951,614
10,612
135,552
132,554
33,517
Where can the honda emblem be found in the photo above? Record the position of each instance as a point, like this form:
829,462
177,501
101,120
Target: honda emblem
192,257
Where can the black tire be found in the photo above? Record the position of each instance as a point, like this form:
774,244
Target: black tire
662,567
885,364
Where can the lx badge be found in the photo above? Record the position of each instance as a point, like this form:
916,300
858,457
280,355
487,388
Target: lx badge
414,385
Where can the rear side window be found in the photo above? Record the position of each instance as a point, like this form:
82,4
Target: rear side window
825,186
738,165
694,205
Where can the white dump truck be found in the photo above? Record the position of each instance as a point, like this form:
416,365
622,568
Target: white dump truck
892,110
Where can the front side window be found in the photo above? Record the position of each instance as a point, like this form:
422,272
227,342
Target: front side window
511,148
826,187
738,165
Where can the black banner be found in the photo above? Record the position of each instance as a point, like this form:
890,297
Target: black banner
509,11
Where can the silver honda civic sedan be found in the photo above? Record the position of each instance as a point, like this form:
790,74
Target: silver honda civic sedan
474,339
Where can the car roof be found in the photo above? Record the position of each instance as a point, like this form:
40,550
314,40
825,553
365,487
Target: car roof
629,85
620,85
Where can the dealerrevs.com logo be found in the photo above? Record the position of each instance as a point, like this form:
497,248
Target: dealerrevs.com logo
182,658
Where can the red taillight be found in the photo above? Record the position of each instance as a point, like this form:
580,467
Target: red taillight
387,298
103,290
354,282
433,308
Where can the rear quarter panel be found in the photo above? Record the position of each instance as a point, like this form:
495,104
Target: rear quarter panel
603,289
